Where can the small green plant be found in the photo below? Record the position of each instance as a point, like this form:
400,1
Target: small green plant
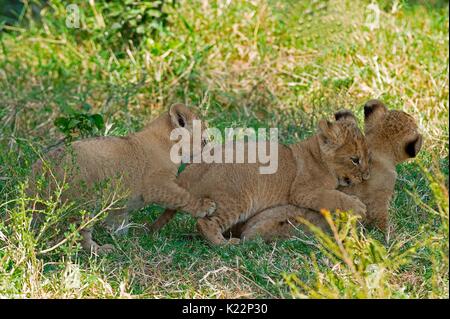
352,265
79,123
133,21
29,249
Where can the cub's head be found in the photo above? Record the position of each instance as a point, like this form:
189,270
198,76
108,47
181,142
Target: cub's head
393,131
344,148
181,117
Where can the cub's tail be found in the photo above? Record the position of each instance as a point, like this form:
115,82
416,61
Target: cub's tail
161,221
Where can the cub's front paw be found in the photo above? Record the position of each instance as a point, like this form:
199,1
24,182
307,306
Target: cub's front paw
207,207
357,206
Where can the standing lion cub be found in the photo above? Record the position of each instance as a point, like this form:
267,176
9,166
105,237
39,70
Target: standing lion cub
308,176
138,164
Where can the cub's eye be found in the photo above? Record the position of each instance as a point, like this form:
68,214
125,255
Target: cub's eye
355,160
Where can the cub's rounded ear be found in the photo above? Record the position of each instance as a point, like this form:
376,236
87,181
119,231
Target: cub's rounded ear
328,132
374,111
413,147
345,115
179,114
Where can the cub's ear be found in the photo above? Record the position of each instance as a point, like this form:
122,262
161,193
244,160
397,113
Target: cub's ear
328,132
413,147
179,115
374,111
345,115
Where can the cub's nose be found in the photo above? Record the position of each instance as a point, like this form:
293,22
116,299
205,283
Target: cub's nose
366,175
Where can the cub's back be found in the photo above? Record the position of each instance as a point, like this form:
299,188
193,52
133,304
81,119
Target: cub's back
84,163
240,179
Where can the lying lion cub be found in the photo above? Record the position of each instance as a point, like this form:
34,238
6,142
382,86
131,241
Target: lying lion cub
138,164
392,137
308,174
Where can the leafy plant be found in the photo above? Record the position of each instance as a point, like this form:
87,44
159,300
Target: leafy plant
130,22
80,123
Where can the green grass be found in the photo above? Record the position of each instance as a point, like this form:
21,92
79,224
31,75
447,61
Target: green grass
248,63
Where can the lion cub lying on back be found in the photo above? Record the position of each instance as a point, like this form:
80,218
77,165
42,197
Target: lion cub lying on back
139,164
308,174
392,137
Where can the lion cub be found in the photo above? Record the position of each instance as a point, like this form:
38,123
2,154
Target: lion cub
308,174
393,137
138,164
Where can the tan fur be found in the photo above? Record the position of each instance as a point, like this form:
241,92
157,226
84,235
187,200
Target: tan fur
138,166
308,174
392,137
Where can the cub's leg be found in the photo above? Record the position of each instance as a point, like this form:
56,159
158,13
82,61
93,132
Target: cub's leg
162,220
210,228
172,196
270,229
118,221
270,224
226,216
378,212
90,245
280,222
328,199
377,196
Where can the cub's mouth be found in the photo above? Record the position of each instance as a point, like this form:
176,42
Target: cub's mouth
344,181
